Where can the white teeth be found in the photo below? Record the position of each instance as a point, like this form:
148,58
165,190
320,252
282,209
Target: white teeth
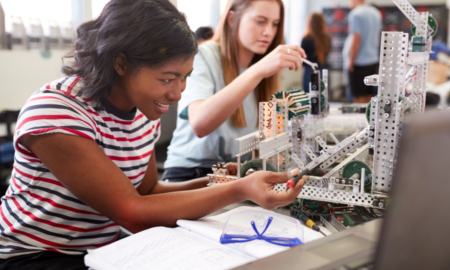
162,105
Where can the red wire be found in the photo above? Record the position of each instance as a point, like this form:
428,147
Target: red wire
423,101
319,205
408,79
340,219
411,76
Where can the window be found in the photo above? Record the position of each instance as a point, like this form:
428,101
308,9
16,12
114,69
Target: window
44,10
97,7
198,14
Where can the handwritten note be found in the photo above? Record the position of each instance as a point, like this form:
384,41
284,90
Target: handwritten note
269,114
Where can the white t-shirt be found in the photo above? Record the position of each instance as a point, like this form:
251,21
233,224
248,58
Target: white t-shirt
186,149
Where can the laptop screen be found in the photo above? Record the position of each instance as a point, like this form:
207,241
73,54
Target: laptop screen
416,229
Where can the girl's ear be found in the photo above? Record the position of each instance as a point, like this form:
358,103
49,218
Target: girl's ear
230,17
119,64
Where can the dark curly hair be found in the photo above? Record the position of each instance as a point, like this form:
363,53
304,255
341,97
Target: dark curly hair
146,32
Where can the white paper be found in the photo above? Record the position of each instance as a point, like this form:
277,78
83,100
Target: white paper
164,248
212,227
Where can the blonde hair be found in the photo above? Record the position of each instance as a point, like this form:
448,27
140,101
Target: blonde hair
227,38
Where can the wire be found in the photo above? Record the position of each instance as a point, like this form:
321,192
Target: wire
407,80
423,101
340,219
411,76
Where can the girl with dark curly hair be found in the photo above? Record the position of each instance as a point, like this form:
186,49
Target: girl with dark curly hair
85,163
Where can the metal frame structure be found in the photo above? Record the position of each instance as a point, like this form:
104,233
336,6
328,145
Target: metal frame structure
299,145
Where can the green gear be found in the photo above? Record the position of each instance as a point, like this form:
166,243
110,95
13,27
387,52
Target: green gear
255,164
300,98
355,166
431,22
368,109
322,86
322,103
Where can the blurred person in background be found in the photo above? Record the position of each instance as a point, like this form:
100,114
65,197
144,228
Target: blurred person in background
316,43
361,48
203,34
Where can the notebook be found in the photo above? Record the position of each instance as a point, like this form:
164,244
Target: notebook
193,245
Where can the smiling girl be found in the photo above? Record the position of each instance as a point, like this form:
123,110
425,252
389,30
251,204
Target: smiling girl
84,162
232,74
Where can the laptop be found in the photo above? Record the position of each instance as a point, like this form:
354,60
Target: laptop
415,232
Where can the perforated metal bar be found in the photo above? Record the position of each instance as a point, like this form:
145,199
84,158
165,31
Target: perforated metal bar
336,196
274,145
386,114
309,152
325,91
248,143
417,58
362,151
420,78
267,120
414,17
298,161
343,148
323,144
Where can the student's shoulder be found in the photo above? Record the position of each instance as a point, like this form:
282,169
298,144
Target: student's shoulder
307,39
364,11
208,46
65,88
59,94
209,50
208,58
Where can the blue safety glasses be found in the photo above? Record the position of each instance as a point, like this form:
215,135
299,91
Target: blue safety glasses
282,233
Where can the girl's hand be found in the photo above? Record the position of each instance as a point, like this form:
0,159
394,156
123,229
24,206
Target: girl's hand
231,168
258,187
284,56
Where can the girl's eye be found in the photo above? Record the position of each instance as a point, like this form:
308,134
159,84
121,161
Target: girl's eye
275,24
260,22
167,81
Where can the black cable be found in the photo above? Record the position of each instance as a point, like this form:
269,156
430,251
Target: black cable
373,213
